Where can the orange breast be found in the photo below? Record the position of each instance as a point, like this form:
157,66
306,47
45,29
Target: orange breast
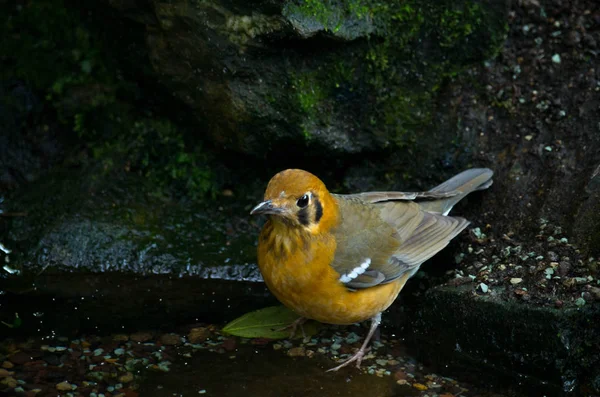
299,274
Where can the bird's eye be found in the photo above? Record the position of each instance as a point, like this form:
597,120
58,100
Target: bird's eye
303,201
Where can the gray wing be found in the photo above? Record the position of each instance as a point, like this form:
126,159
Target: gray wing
380,242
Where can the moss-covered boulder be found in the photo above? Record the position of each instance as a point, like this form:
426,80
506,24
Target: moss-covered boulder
349,75
77,221
536,350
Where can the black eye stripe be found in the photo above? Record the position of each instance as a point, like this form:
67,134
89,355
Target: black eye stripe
318,210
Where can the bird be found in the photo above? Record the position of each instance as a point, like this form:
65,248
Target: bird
344,258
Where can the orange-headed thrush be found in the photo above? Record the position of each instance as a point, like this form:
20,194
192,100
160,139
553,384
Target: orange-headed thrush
342,259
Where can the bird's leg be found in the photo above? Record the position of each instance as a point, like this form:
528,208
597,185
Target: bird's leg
294,326
358,356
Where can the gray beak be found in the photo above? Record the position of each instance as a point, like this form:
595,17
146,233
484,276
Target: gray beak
265,208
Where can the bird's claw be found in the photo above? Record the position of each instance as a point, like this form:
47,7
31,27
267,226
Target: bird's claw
358,357
294,326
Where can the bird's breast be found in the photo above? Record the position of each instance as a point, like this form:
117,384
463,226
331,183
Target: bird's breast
297,270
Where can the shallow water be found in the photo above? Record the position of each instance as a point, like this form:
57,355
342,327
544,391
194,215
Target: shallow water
261,371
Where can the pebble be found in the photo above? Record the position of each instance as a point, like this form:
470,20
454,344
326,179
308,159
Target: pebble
10,382
198,335
297,352
128,377
64,386
402,382
20,358
515,280
4,373
141,337
7,365
120,338
170,339
420,386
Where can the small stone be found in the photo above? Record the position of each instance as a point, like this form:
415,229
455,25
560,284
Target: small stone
10,382
277,346
528,137
120,338
5,373
98,352
20,358
402,382
170,339
484,288
515,280
141,337
198,335
310,353
556,58
119,351
128,377
7,365
296,352
563,268
64,386
335,346
229,344
420,386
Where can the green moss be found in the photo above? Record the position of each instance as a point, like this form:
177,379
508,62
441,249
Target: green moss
402,75
52,46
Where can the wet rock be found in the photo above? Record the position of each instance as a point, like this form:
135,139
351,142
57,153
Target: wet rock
198,335
170,339
128,377
20,358
64,386
235,92
229,344
463,331
141,337
297,352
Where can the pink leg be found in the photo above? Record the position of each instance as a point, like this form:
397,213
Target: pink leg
358,356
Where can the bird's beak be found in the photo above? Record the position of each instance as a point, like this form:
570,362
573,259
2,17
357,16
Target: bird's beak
266,207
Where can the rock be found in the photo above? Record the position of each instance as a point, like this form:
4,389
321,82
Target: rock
455,327
64,386
128,377
170,339
236,93
20,358
141,337
298,351
198,335
516,280
4,373
120,338
420,387
9,382
7,365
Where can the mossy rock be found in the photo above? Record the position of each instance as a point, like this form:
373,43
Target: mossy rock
533,349
341,76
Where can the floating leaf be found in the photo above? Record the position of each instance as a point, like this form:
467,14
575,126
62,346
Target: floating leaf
265,323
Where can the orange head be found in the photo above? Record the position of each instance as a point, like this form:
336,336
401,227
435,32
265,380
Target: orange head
299,199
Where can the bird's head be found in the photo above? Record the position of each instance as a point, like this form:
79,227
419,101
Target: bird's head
299,199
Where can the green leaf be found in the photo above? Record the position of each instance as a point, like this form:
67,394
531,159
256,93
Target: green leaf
264,323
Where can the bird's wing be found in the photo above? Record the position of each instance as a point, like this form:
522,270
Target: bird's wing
376,197
380,242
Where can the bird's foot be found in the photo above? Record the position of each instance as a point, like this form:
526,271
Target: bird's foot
294,327
358,356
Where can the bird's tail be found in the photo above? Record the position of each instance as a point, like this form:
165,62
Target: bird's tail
458,187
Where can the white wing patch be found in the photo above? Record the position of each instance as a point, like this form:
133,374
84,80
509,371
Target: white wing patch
357,271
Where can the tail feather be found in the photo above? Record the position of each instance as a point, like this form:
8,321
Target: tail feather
459,186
